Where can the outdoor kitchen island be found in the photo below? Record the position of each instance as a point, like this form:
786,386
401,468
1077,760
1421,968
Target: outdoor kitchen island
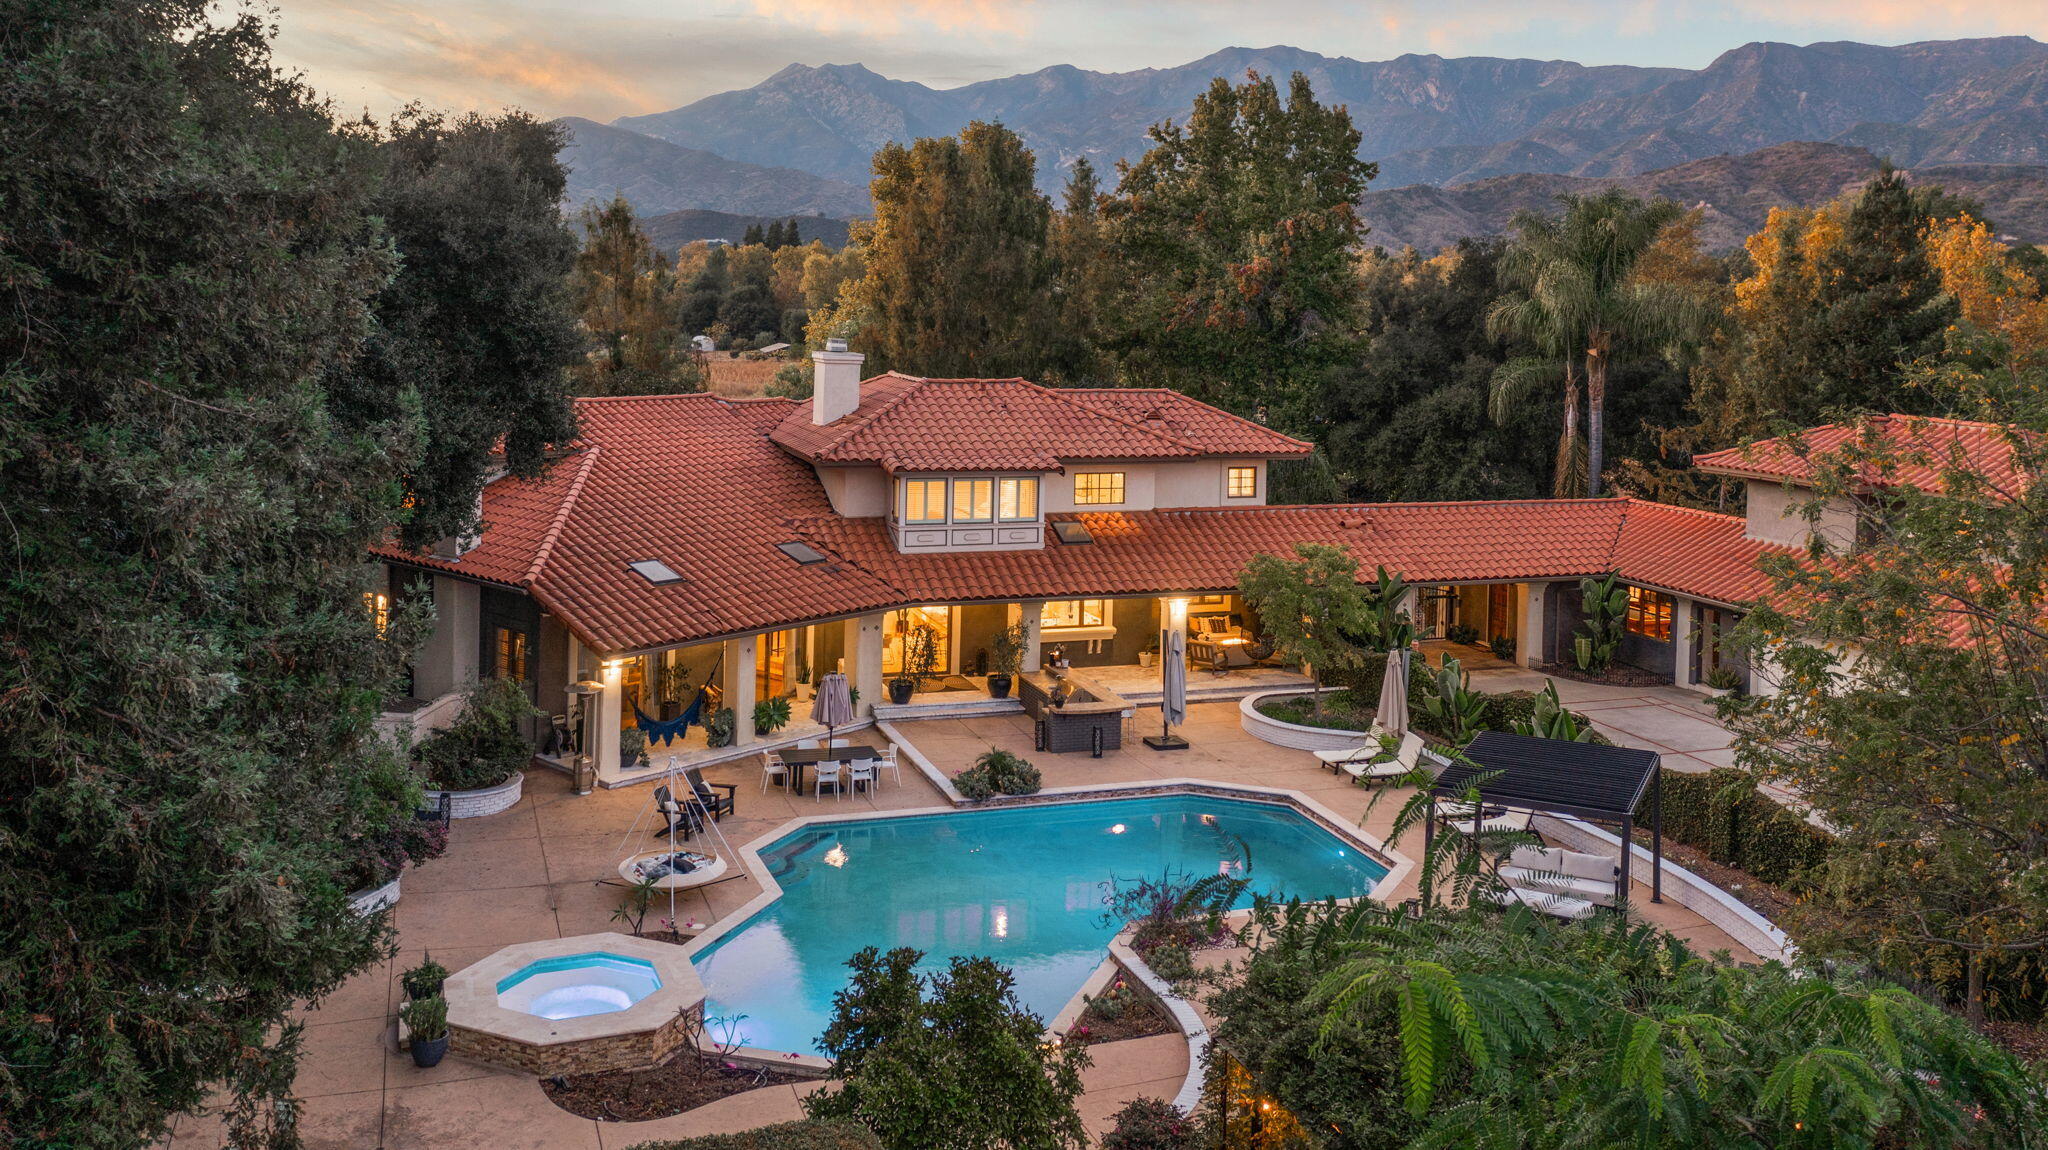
1072,712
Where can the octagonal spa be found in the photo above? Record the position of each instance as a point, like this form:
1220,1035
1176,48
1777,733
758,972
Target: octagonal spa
569,1005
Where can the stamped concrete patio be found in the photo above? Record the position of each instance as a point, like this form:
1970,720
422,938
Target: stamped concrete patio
534,871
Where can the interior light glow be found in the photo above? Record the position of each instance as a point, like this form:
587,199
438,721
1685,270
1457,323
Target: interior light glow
836,857
1117,829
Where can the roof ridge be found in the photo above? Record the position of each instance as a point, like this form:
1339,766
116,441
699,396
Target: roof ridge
916,383
705,395
1634,502
561,518
1167,391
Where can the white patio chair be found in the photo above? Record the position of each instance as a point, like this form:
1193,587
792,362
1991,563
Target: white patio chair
1401,765
827,772
772,767
886,761
862,771
1364,752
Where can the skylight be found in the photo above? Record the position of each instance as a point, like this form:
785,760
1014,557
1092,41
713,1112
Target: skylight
803,553
654,571
1072,531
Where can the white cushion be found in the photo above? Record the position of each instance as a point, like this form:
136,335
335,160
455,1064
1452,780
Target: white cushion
1535,858
1364,769
1559,905
1600,868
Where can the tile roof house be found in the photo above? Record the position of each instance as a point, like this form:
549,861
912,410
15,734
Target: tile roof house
757,538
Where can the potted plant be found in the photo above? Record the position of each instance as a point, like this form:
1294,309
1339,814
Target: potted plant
920,662
1150,654
719,729
771,715
1006,655
1723,680
427,1020
424,980
633,749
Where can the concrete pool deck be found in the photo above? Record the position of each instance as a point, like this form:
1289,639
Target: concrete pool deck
532,872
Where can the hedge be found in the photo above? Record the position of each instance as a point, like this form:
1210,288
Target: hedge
805,1134
1722,814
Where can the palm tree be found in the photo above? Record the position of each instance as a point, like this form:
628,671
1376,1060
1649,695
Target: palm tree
1523,319
1575,289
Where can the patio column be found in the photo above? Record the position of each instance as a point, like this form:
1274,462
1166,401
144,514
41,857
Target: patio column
1030,612
864,659
603,735
448,662
1529,639
1681,641
739,688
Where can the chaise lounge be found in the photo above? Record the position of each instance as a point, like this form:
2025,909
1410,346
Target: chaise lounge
1551,870
1372,763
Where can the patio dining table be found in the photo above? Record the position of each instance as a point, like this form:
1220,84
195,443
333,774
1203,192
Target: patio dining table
797,758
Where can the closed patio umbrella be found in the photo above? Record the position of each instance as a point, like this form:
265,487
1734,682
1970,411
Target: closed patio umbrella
1173,693
1393,711
834,705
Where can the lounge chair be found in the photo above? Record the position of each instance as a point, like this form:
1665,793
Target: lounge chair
1510,820
1403,763
1368,750
1595,878
717,798
1558,905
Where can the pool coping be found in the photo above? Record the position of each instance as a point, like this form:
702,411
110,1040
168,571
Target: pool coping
472,993
1398,868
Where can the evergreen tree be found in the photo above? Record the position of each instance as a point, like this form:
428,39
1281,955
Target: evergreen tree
1882,302
1407,419
626,297
751,236
792,233
698,309
1084,284
957,283
1237,233
190,783
476,328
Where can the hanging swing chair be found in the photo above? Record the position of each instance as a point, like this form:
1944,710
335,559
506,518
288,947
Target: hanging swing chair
652,850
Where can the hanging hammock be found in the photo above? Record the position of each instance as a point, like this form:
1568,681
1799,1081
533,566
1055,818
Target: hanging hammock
667,731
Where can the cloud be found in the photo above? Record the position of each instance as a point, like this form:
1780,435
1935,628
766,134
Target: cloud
971,16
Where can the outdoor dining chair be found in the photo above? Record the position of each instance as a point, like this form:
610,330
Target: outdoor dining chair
861,772
887,762
772,767
827,771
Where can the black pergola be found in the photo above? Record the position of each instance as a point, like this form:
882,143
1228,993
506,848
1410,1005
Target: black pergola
1550,776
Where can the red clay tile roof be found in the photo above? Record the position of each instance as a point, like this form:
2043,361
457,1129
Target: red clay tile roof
697,482
909,423
1924,445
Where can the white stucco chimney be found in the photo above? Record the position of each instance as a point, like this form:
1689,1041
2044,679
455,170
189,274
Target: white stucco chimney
835,382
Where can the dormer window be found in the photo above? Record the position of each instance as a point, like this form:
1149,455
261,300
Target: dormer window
974,500
924,501
968,513
1017,499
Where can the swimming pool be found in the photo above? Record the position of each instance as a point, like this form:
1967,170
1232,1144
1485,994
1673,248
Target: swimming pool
1023,885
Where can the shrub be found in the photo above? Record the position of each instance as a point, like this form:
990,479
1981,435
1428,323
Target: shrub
427,1017
950,1053
804,1134
423,980
1458,712
1150,1124
1502,648
1462,633
1605,603
718,731
771,715
998,772
484,745
1723,814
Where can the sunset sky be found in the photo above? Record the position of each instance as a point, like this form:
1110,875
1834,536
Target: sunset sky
607,58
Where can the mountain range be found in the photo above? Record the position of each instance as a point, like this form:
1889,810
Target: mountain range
800,141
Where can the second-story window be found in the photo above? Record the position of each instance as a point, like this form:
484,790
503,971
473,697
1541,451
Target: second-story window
924,501
1242,482
1098,487
1016,499
974,500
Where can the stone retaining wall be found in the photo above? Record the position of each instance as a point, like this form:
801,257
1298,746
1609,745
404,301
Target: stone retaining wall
486,801
629,1051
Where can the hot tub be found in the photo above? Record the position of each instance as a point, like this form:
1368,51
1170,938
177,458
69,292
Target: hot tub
570,1005
578,985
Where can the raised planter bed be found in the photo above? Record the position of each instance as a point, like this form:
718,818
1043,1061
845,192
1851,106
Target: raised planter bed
369,902
1296,735
486,801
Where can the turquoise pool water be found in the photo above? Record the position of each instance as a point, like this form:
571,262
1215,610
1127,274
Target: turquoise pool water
1022,885
578,985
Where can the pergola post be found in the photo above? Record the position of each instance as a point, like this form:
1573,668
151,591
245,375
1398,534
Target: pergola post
1628,854
1657,835
1428,839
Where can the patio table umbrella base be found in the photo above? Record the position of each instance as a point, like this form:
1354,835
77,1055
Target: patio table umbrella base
1166,742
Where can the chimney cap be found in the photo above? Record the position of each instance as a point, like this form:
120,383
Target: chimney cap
835,344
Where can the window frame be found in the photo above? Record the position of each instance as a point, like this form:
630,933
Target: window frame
1230,477
967,487
1016,484
1651,614
944,502
1080,614
1122,484
514,651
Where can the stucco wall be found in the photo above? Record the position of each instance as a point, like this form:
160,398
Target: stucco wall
1774,517
856,492
1153,485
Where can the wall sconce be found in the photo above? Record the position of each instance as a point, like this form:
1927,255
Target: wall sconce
1177,612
